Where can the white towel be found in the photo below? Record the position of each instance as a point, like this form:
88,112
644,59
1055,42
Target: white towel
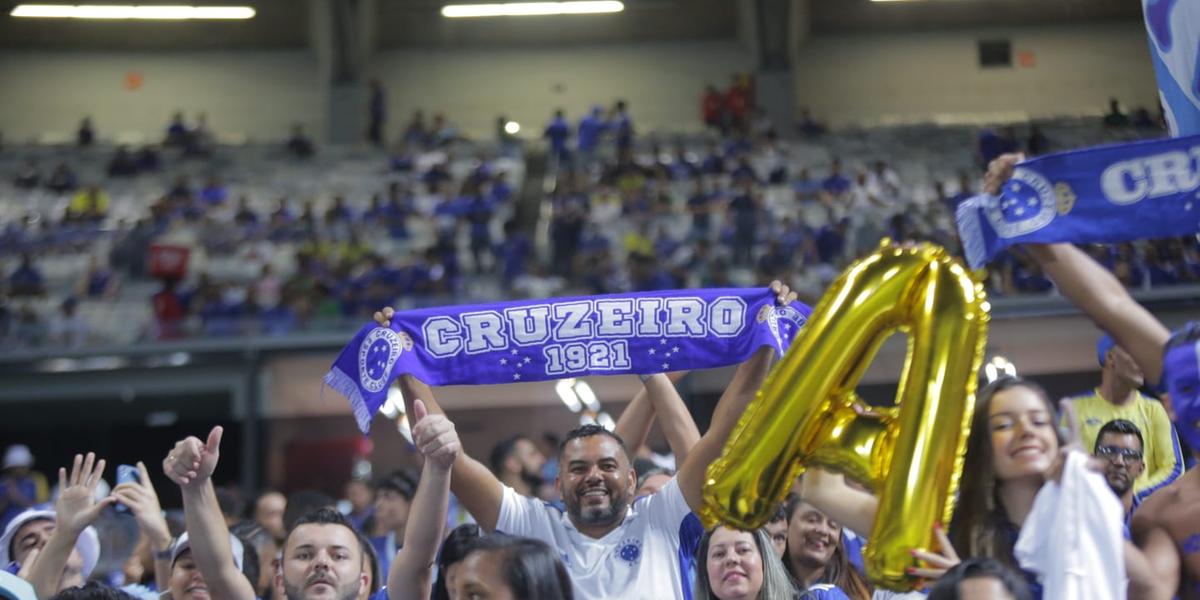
1073,538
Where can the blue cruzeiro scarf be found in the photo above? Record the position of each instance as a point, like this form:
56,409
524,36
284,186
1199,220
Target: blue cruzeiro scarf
1110,193
539,340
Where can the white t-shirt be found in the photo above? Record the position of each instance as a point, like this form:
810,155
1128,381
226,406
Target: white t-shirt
640,559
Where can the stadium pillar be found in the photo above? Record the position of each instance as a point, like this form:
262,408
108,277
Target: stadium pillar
342,38
772,30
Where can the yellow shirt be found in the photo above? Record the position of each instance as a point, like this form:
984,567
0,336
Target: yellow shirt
1161,452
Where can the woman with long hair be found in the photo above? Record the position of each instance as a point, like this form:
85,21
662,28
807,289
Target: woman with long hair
1013,449
816,552
740,565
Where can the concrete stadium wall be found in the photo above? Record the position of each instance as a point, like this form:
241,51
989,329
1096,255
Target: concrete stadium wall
662,82
904,77
253,94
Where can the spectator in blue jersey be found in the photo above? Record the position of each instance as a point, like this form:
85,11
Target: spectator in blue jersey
393,503
299,145
591,128
26,279
558,131
513,252
982,579
361,499
18,487
86,135
376,113
836,184
478,212
622,126
214,193
178,134
741,565
124,163
816,556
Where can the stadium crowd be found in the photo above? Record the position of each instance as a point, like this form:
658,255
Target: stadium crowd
190,238
588,517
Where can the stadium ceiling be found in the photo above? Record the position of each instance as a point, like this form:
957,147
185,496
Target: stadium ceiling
282,24
842,16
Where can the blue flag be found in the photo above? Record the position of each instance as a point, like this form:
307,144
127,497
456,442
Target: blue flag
1104,194
1174,28
539,340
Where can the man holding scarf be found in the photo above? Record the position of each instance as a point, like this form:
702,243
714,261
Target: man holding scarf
612,545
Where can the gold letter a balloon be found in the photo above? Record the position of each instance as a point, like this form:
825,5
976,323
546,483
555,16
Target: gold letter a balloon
804,415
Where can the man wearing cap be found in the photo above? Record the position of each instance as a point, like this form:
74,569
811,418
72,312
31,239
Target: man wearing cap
186,581
1118,398
19,490
61,544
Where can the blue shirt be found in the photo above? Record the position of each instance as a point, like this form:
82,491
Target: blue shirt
590,129
557,132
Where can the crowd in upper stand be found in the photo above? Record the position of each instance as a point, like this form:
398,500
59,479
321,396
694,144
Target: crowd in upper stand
189,237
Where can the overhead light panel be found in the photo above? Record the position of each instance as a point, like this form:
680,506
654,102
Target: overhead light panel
530,9
128,12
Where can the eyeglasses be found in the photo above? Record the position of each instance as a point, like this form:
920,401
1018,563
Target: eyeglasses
1112,452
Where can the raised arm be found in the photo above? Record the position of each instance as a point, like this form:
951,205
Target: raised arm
1093,289
411,573
191,464
673,417
741,390
660,399
142,501
830,493
76,508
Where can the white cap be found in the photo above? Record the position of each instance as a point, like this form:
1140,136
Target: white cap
17,455
87,544
235,546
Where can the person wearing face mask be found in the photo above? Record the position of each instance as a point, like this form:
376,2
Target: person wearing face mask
741,565
1118,398
500,567
815,555
1167,525
1013,448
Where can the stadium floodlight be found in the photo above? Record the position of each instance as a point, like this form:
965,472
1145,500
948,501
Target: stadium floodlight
530,9
126,12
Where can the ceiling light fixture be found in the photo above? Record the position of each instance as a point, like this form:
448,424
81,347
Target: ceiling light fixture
530,9
127,12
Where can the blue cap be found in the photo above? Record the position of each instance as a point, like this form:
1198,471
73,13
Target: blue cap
1105,344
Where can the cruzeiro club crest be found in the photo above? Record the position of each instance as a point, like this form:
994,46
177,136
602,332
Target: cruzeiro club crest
1027,204
630,550
784,322
378,354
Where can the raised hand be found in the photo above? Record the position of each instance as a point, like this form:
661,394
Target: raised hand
936,563
76,506
1074,443
192,462
999,171
142,501
783,294
435,437
384,317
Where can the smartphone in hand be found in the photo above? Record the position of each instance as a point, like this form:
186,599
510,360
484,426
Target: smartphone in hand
126,474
